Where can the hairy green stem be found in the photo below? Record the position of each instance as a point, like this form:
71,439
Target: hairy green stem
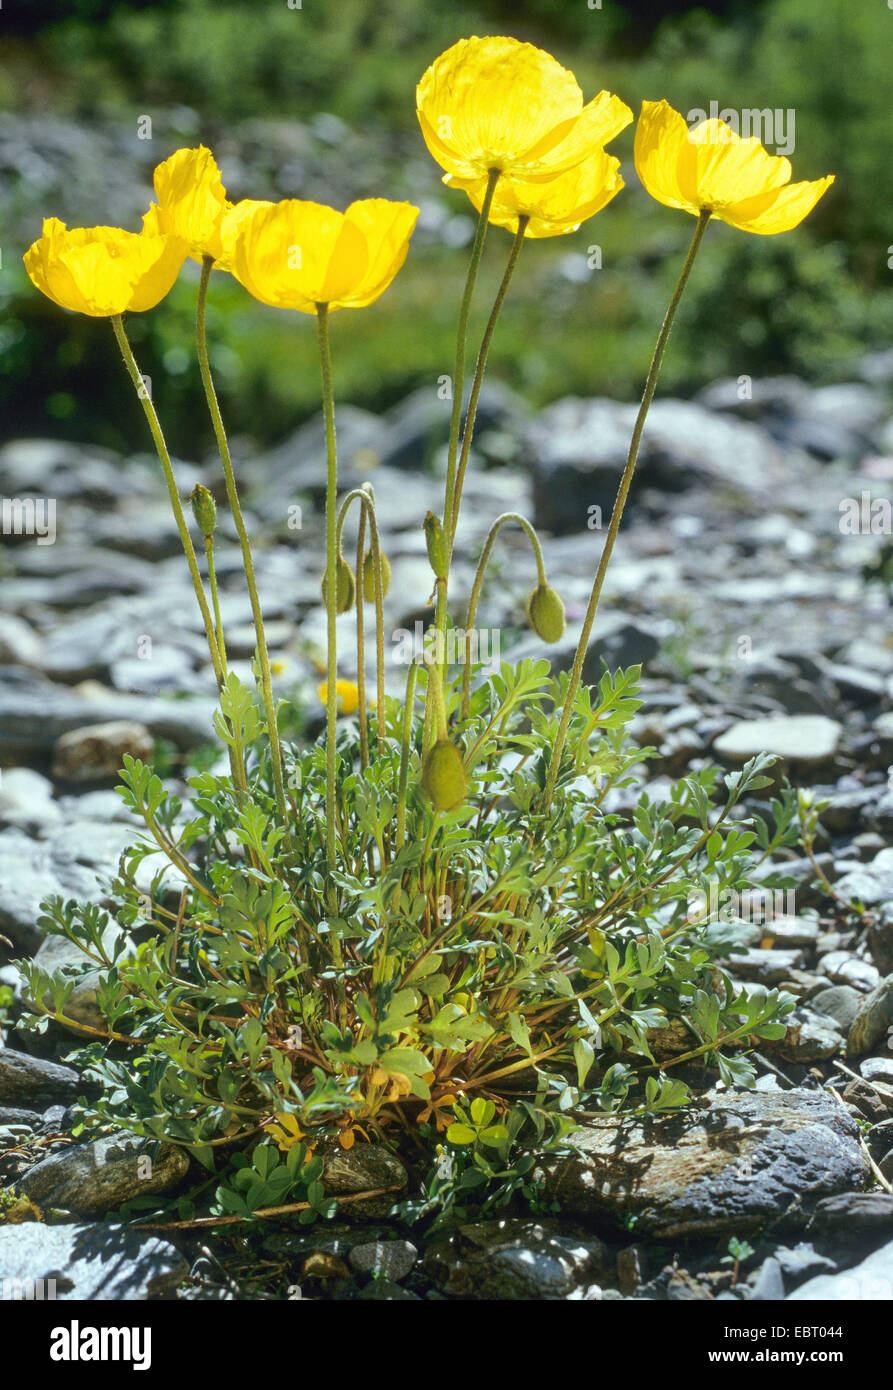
617,513
478,380
179,517
328,402
266,683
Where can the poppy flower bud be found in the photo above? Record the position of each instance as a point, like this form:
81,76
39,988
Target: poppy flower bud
345,587
436,542
545,612
443,776
369,575
204,509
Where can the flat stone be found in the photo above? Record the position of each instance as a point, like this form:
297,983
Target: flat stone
97,751
873,1021
386,1259
19,643
852,1216
878,1069
744,1160
846,969
870,1281
811,738
840,1003
36,1081
26,800
765,967
363,1168
514,1259
808,1038
89,1179
87,1262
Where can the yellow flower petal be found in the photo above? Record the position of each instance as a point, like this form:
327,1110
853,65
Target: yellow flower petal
662,146
497,103
555,207
191,201
386,228
778,210
102,271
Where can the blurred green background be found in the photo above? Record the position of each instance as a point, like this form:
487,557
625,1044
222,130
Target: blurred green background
318,101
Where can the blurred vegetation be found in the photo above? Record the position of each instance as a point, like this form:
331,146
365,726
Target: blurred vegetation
810,302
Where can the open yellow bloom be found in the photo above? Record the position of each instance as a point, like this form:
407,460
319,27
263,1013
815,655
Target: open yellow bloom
347,693
103,271
711,168
556,207
295,255
496,103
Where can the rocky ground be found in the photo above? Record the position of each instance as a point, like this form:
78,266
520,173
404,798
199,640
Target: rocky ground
758,599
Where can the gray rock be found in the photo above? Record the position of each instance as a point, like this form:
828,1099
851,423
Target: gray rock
386,1291
808,1038
878,1069
35,1081
19,643
26,799
846,969
767,1285
852,1216
872,883
363,1168
796,1262
97,751
89,1179
870,1281
841,1003
514,1259
766,967
12,1115
873,1020
86,1263
386,1259
810,738
741,1161
34,713
580,448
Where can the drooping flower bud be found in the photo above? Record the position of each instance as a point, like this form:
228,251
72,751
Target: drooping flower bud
436,541
204,509
369,575
443,776
545,612
345,586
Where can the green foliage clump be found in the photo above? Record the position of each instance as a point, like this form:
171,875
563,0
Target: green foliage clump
501,971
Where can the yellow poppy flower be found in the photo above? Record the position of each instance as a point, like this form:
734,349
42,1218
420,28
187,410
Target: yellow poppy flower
496,103
295,255
347,693
557,207
711,168
103,271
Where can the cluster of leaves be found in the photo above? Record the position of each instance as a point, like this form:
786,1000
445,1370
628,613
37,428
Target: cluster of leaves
481,980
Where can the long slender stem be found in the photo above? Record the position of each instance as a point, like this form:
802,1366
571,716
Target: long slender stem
266,683
478,380
361,640
328,401
215,600
458,383
177,506
411,678
617,513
